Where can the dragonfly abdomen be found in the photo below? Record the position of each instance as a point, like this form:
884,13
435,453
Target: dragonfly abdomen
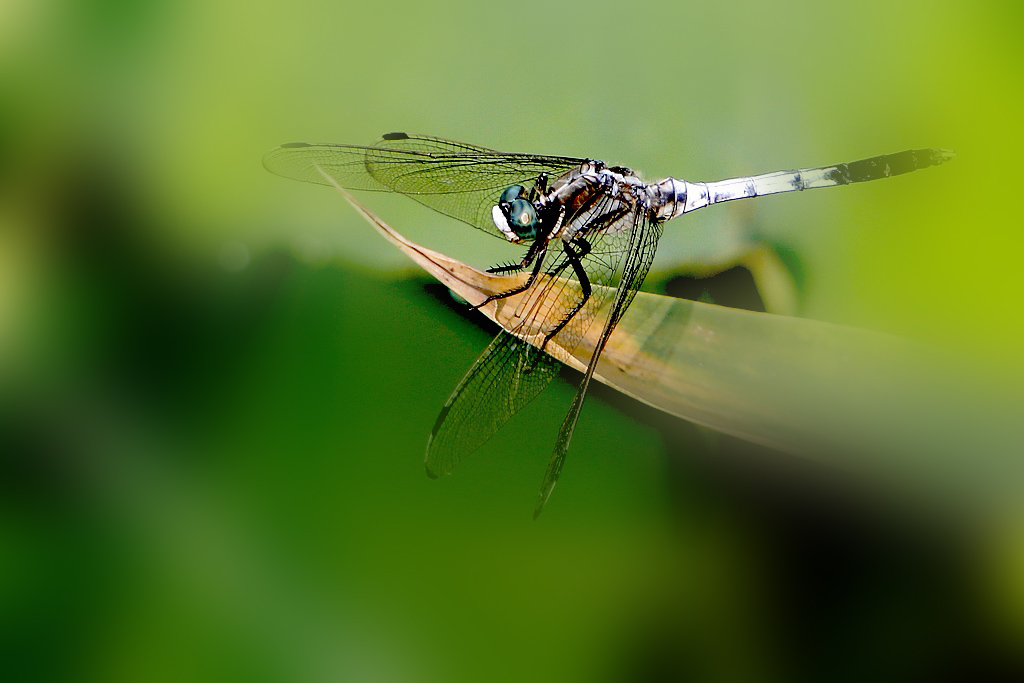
676,197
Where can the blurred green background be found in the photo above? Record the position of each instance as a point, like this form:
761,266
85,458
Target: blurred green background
216,385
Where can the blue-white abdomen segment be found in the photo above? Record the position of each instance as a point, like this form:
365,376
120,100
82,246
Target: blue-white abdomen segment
676,197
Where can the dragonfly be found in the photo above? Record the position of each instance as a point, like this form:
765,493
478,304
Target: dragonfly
590,232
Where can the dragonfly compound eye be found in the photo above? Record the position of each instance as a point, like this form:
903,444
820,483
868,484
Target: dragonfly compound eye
511,194
523,218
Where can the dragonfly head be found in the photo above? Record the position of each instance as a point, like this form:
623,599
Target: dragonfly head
515,216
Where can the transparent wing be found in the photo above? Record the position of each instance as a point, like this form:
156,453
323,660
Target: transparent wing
508,375
511,372
457,179
636,248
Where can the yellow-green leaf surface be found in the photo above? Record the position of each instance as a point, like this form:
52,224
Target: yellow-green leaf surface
902,414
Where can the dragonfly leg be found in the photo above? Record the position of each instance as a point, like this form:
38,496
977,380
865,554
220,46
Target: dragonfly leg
533,255
510,268
572,258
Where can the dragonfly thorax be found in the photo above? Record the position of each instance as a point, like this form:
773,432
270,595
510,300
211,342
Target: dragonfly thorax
597,198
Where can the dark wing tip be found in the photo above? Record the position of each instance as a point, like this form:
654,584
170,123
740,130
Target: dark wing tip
293,145
431,467
395,136
431,473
